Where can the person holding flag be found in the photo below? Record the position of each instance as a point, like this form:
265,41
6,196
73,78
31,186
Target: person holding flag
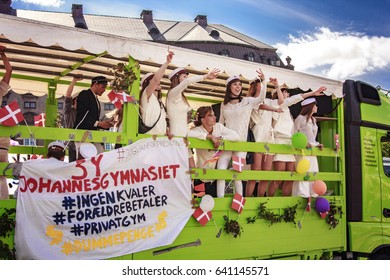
207,128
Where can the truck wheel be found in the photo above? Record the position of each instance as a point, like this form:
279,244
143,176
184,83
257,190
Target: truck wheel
379,256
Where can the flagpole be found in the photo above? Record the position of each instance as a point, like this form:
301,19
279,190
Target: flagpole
35,143
67,144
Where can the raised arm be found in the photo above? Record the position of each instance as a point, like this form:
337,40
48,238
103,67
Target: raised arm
155,81
7,66
70,88
275,82
317,92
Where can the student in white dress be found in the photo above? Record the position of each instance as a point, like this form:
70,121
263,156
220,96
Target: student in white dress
284,129
177,103
261,125
235,114
307,124
152,107
207,128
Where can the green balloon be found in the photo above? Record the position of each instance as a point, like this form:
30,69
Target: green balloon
299,140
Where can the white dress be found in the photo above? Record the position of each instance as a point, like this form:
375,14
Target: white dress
262,122
178,108
310,129
150,112
284,126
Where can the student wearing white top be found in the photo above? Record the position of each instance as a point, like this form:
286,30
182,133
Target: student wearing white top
152,108
306,123
284,129
177,103
261,124
207,128
235,114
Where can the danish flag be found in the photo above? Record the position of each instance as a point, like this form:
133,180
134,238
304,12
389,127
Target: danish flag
238,203
119,97
113,96
40,120
210,163
11,115
202,217
238,163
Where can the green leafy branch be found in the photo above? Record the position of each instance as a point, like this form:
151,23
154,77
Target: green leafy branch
7,226
288,215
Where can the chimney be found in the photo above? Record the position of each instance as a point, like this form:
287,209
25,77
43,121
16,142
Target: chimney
147,16
5,8
201,20
78,16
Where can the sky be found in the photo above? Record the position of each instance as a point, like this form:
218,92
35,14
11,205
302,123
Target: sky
337,39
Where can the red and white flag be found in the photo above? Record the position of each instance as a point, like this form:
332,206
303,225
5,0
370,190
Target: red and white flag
114,98
238,203
125,97
40,120
11,115
202,217
238,163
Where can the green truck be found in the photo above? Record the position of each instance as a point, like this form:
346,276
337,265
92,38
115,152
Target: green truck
354,126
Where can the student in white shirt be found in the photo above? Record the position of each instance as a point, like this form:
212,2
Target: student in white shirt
306,123
235,114
261,125
207,128
284,129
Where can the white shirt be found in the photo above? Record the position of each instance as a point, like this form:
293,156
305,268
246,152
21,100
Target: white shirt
284,123
307,127
178,108
202,155
150,112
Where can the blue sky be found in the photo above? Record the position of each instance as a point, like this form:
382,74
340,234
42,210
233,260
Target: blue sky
334,38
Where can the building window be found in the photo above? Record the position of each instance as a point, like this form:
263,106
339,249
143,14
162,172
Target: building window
224,52
30,105
109,106
385,143
60,105
28,142
250,56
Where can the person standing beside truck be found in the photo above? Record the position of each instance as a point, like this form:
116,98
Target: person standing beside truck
306,123
284,129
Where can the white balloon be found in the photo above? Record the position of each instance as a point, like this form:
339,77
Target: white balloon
207,203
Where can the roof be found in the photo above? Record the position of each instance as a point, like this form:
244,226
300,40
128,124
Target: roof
135,28
42,52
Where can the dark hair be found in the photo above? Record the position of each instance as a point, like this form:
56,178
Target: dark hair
56,153
307,109
201,113
145,84
252,88
228,93
174,83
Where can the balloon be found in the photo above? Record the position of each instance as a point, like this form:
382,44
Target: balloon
303,166
299,140
322,205
319,187
207,203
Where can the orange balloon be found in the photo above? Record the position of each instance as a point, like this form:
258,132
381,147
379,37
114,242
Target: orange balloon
319,187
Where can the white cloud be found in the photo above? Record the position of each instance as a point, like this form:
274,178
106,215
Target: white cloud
338,55
45,3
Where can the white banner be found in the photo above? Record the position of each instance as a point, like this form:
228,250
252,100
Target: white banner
119,202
